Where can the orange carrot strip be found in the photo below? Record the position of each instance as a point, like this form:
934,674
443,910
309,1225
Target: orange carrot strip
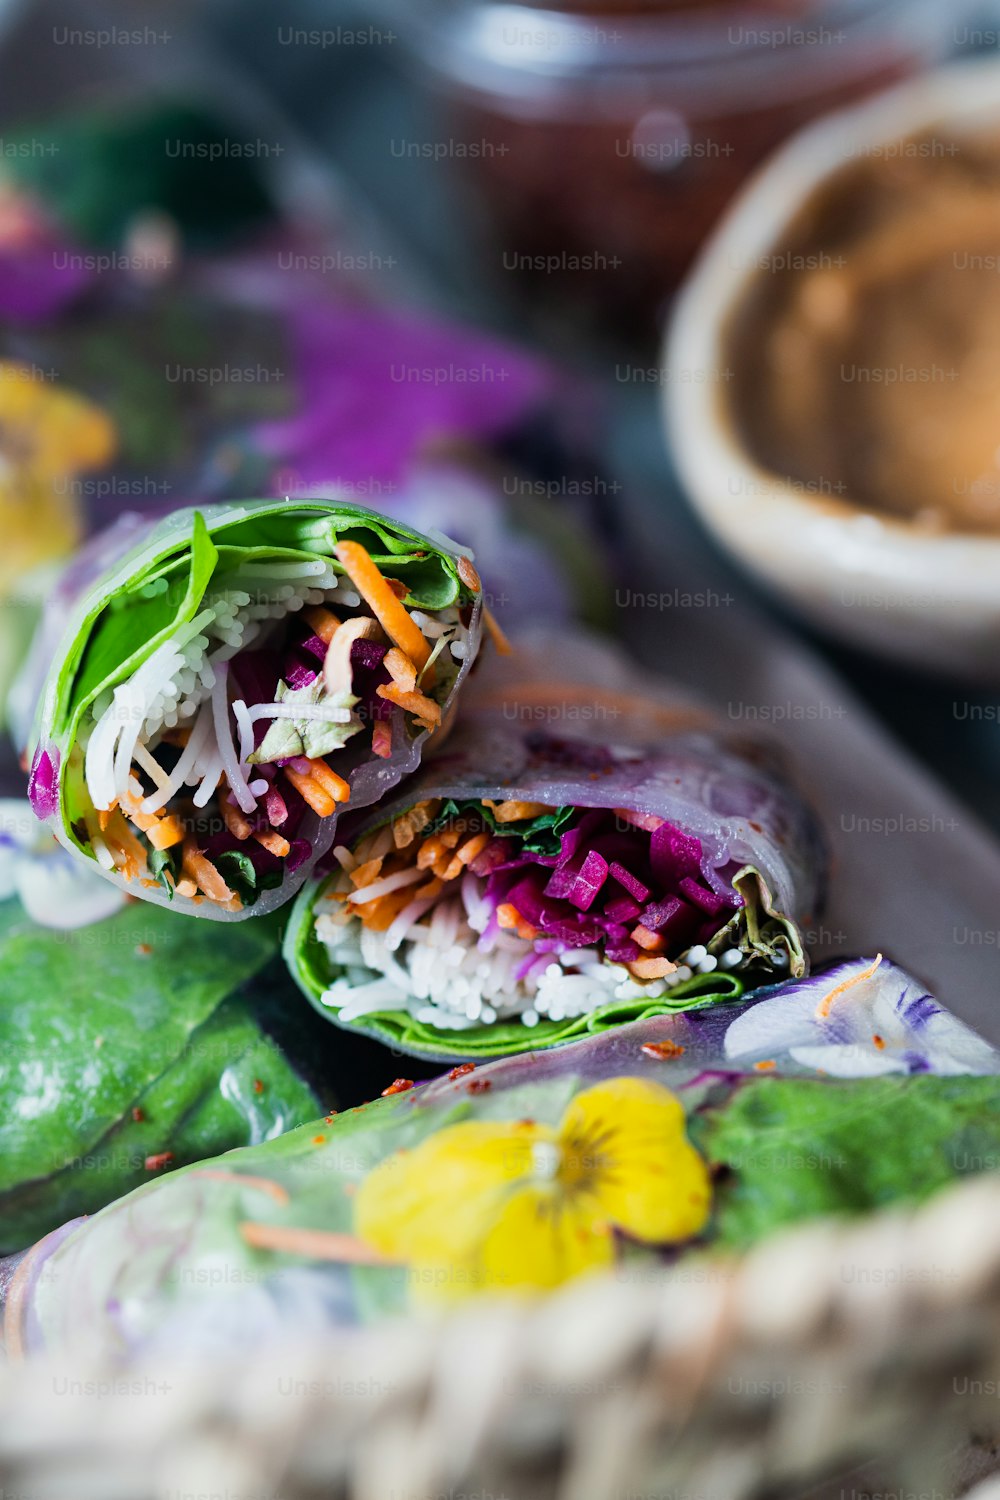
323,622
406,827
121,840
166,833
418,704
314,1244
473,845
186,887
334,785
204,873
401,669
234,820
510,918
267,1185
651,968
383,603
500,641
432,888
104,816
318,799
366,873
273,842
514,812
825,1005
382,739
653,942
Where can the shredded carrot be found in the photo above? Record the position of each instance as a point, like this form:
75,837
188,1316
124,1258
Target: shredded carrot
366,873
322,621
418,704
515,812
380,914
273,842
653,942
314,1244
401,669
429,851
267,1185
429,891
204,873
650,968
511,920
825,1005
765,1065
662,1050
408,825
186,887
473,845
500,641
166,833
104,816
335,786
387,609
382,739
123,843
318,799
238,825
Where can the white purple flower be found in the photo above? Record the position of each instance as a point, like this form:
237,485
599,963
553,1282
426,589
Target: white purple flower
857,1020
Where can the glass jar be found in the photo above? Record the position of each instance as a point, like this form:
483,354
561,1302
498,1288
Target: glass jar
605,139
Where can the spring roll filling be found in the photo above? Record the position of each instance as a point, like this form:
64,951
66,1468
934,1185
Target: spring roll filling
464,915
200,770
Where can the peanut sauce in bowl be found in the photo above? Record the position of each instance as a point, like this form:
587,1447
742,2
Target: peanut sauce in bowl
832,374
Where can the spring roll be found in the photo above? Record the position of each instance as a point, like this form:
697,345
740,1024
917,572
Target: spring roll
227,681
530,887
407,1201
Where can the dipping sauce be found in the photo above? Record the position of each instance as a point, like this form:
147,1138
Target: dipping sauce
867,347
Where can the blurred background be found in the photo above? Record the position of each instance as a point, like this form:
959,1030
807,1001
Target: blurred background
429,253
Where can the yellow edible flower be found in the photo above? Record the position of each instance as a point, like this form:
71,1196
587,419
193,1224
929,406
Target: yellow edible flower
47,434
518,1206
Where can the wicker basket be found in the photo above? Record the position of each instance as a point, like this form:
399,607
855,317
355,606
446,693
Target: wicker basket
837,1344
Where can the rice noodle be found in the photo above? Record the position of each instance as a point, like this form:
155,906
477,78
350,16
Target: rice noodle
235,774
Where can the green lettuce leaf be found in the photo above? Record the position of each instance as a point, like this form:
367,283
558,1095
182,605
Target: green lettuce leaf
148,1011
311,737
795,1149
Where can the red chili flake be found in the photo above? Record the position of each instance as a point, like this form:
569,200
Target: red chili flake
258,1085
878,1040
319,1140
468,575
479,1085
329,1118
660,1050
462,1069
143,950
764,1064
399,1086
138,1114
160,1159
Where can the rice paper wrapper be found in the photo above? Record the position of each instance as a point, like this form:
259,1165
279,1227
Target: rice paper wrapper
566,719
132,586
235,1252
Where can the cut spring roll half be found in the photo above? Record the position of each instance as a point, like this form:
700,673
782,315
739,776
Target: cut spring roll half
241,675
529,890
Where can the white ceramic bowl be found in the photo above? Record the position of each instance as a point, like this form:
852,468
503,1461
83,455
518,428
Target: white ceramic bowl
878,582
